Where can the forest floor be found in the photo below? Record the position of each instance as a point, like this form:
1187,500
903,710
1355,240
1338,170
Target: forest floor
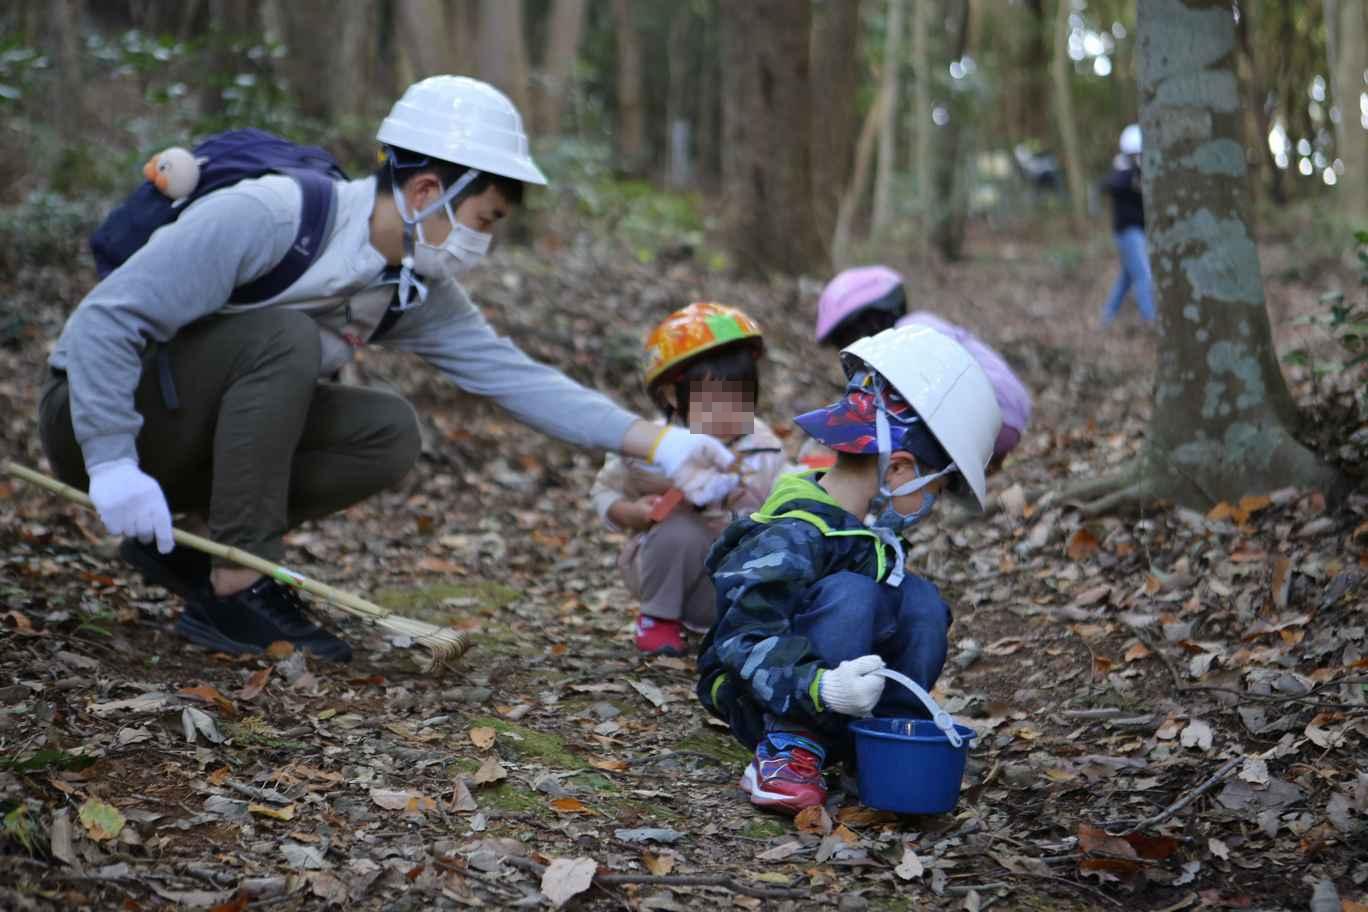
1110,666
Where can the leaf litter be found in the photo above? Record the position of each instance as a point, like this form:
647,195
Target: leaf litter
1110,665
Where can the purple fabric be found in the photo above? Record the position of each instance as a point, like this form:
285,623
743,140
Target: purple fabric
850,291
1011,394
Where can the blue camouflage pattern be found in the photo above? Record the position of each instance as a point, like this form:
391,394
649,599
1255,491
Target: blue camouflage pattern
752,663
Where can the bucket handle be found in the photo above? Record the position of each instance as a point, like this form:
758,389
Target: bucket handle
939,716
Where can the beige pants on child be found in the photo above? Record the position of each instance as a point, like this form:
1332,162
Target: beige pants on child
664,568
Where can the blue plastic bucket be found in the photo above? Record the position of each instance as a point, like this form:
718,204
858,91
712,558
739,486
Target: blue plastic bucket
908,765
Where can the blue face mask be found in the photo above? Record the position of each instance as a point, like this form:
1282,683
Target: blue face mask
881,506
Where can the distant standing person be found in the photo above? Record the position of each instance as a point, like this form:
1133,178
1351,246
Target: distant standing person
1128,227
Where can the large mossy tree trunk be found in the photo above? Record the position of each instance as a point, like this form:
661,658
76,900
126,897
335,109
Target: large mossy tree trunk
770,221
1223,418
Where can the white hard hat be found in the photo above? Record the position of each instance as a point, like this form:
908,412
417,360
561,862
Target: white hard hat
942,381
463,121
1130,140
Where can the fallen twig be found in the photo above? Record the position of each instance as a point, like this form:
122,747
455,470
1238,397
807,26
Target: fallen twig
1216,779
675,880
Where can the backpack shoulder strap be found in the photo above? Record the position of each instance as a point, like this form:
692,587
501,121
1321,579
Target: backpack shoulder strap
315,222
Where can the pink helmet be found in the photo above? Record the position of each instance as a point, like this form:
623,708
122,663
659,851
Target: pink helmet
852,291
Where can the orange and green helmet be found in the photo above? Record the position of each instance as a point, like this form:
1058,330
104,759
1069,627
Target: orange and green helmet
691,331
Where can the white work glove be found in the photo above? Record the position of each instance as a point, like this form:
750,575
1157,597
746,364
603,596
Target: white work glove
131,502
850,688
694,463
704,486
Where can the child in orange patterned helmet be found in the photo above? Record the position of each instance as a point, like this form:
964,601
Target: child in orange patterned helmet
700,369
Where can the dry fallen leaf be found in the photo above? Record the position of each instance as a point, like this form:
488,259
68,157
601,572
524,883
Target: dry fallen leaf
278,813
102,821
482,737
1082,544
1197,734
566,878
1137,652
911,867
659,865
570,806
461,799
406,801
605,763
209,695
813,820
280,649
255,684
490,771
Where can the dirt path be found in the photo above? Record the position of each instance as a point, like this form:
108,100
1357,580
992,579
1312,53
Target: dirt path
1109,667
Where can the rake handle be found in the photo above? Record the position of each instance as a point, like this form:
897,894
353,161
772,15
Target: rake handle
353,604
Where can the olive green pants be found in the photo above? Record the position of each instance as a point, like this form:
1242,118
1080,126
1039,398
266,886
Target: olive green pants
255,444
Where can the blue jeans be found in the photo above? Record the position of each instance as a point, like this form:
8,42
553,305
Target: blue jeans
849,615
1135,275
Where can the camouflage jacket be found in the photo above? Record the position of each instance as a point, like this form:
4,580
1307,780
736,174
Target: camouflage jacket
762,568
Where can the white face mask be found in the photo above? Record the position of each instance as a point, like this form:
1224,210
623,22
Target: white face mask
459,253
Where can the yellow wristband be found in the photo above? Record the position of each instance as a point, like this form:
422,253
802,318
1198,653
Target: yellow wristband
655,444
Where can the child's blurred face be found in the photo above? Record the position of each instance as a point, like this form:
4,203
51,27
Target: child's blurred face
721,408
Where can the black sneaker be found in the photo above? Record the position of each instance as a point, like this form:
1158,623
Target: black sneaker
256,617
183,571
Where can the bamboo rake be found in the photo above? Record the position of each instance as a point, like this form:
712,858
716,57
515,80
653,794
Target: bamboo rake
443,642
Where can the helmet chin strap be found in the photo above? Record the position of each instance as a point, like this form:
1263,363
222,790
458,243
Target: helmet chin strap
413,223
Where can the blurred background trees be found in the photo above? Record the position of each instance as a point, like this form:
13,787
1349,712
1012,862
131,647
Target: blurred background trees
774,135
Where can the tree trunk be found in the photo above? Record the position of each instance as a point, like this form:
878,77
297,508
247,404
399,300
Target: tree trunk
1223,418
501,54
421,25
678,129
1256,94
859,181
836,53
1061,67
883,181
463,31
921,63
350,78
631,122
766,141
953,170
1345,35
558,64
69,102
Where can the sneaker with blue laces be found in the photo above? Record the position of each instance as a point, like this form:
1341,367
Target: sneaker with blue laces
786,774
251,620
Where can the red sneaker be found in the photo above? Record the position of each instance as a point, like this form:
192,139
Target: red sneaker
657,636
785,777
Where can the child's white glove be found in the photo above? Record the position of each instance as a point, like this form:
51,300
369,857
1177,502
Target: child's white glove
850,688
131,502
694,463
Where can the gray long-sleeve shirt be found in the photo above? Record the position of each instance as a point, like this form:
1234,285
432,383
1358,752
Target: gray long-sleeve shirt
188,270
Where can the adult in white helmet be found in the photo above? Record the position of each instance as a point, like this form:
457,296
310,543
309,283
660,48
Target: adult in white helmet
169,393
812,594
1128,230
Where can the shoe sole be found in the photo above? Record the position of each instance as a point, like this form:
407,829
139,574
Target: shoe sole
662,651
773,801
202,634
154,572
